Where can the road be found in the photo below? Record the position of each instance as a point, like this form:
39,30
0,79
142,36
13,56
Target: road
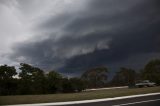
153,100
150,99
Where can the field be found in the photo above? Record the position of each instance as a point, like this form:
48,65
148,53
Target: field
28,99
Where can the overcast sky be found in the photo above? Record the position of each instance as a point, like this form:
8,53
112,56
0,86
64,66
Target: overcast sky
73,35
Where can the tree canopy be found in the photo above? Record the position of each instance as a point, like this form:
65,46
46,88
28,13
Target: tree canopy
124,77
152,71
96,77
7,82
33,80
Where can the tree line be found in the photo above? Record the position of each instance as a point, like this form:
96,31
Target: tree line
33,80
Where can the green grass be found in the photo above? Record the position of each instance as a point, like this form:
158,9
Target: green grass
28,99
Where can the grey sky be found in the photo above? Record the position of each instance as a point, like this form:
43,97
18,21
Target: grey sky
74,35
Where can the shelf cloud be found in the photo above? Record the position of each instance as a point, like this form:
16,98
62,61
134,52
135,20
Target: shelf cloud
71,36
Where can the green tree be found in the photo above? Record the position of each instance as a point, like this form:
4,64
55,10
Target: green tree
54,82
78,84
96,77
8,84
124,77
7,72
32,79
152,71
67,86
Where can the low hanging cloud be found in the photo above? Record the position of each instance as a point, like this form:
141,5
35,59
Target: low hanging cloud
91,33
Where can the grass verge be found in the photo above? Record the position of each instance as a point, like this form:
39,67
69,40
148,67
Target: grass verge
29,99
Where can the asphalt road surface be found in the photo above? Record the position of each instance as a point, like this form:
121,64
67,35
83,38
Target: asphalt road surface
137,101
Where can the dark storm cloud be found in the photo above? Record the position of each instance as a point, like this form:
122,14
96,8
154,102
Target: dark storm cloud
138,34
107,32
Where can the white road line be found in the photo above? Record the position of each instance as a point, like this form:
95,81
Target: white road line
137,102
86,101
106,88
